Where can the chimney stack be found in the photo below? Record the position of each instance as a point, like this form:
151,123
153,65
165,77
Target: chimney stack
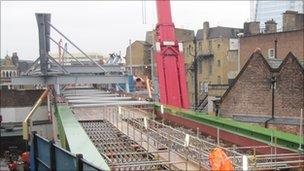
15,59
292,20
251,28
270,26
205,30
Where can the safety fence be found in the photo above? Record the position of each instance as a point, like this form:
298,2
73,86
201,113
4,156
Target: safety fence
45,155
193,146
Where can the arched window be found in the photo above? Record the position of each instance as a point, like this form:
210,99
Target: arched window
6,74
3,74
10,74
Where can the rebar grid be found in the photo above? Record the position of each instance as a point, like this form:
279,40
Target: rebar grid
121,152
164,137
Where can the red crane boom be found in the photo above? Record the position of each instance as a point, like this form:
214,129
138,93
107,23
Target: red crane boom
170,60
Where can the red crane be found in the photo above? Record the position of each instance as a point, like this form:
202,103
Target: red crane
170,60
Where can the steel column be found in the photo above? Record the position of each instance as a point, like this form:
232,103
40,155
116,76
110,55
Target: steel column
44,44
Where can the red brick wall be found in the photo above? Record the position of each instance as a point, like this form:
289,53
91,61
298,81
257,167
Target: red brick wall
289,94
291,41
19,98
251,93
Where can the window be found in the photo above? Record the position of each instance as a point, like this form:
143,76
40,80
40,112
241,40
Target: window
218,63
271,53
200,67
201,86
200,46
210,66
210,46
218,45
205,86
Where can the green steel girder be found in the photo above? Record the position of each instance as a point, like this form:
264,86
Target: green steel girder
60,130
74,138
254,132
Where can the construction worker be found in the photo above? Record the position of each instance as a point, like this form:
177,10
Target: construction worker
219,160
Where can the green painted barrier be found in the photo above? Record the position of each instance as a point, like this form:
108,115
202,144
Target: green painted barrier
75,139
254,132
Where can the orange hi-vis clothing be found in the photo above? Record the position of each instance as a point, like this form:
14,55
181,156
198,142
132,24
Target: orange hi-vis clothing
219,160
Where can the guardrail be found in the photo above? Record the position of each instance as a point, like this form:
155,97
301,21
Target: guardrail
284,140
47,156
27,120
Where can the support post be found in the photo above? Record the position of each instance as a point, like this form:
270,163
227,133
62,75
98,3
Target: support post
44,44
245,163
57,89
79,162
218,136
52,156
197,132
301,131
35,143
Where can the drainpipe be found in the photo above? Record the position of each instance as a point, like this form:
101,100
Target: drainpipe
275,48
195,75
130,54
273,82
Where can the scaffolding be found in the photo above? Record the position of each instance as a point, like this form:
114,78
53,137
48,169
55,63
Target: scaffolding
130,137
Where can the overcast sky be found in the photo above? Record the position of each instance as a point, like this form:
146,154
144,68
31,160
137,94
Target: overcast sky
106,26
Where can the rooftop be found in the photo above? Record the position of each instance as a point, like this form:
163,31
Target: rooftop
219,32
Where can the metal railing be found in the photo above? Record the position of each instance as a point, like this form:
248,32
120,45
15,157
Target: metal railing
28,121
47,156
200,147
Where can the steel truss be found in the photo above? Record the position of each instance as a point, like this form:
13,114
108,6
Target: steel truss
47,71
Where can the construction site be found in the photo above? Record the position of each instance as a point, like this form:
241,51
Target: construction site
97,121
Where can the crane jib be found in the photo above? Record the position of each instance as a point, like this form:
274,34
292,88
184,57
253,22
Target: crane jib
170,60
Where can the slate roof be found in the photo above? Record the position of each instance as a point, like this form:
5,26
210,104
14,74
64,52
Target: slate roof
24,65
274,63
217,32
143,42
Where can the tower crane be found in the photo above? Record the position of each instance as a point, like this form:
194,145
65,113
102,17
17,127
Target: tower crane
169,59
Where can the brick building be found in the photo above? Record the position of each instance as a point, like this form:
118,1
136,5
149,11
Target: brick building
10,67
249,98
292,20
217,53
291,39
217,49
142,55
141,58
